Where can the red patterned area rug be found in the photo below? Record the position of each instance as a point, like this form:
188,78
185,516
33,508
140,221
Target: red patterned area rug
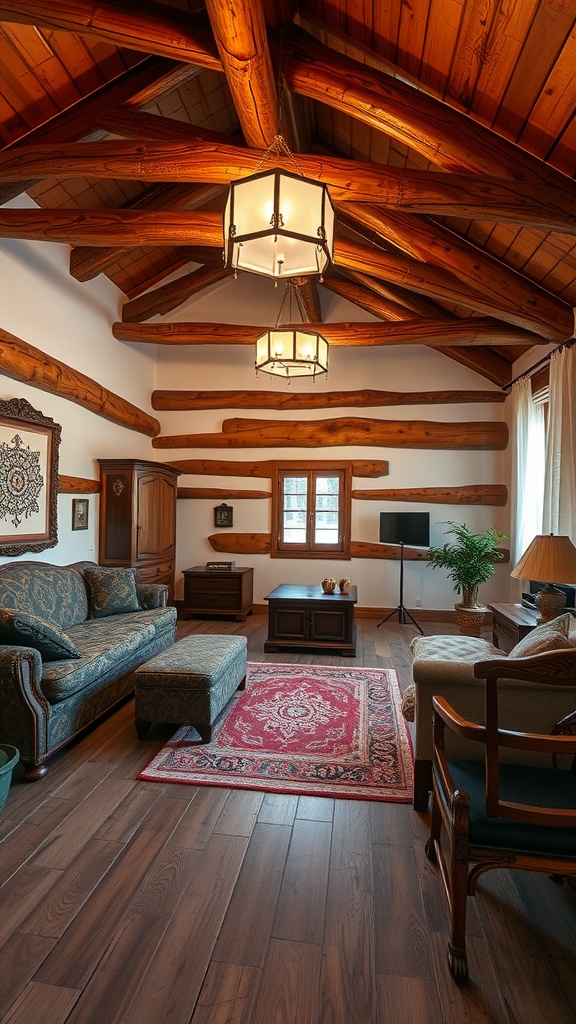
310,730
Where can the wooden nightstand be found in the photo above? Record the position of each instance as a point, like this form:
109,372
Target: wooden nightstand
512,622
218,592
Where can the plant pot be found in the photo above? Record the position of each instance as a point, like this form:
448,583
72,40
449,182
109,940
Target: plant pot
470,619
9,757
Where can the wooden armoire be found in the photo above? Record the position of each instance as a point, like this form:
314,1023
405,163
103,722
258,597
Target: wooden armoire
138,518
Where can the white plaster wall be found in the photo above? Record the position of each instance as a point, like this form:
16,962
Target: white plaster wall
42,305
252,300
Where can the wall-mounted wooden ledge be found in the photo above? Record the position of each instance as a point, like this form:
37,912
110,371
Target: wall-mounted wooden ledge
219,492
470,494
77,485
259,544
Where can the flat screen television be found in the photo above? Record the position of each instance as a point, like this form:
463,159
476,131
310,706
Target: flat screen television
405,528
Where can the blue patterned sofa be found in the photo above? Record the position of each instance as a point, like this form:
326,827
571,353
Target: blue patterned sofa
70,637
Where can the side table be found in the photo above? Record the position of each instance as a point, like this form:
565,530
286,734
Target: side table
224,592
304,616
512,622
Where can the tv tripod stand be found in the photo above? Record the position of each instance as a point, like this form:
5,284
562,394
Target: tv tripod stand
401,611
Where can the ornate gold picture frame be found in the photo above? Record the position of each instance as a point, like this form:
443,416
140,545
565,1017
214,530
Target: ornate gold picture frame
29,449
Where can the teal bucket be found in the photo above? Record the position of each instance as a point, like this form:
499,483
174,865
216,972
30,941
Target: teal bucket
9,757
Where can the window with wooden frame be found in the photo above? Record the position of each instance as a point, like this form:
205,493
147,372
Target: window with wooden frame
310,512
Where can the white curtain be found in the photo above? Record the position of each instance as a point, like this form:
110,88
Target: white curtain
529,457
560,477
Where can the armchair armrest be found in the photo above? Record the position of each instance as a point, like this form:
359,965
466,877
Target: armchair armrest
23,707
455,722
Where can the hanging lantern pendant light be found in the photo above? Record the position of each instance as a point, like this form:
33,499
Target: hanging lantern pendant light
279,225
291,351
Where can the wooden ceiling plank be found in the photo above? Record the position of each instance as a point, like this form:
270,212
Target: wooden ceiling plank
347,335
498,53
544,40
554,108
144,26
240,33
187,401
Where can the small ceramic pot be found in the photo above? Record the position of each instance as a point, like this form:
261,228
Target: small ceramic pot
328,585
344,585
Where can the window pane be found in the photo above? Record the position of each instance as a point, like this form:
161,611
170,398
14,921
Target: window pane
294,536
295,485
328,485
295,501
325,502
329,536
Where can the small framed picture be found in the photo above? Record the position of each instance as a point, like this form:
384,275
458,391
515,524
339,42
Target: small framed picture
223,515
80,513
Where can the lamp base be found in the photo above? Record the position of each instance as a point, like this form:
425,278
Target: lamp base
549,602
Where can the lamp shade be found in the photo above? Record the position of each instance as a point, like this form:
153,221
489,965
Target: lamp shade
286,352
548,559
279,225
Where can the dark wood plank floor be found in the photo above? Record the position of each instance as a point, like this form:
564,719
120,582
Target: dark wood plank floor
125,902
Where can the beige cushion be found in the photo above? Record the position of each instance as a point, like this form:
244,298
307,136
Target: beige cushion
549,636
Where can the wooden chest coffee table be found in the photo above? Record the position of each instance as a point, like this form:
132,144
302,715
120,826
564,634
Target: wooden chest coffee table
302,615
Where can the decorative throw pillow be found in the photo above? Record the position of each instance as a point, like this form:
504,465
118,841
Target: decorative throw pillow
549,636
26,630
111,591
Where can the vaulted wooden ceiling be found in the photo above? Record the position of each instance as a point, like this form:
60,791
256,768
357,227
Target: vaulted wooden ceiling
446,133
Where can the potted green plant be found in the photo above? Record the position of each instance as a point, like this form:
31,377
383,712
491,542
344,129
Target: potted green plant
470,560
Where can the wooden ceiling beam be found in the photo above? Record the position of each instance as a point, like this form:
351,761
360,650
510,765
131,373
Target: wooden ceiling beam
188,401
431,243
138,124
445,136
132,228
348,180
415,305
309,298
29,365
265,468
140,85
366,298
168,296
143,26
86,262
240,33
347,335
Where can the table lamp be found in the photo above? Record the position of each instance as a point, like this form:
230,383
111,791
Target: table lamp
548,559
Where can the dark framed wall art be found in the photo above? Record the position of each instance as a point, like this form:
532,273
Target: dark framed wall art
80,513
223,515
29,449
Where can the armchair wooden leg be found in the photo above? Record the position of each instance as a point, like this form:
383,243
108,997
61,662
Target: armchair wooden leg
435,826
422,784
458,882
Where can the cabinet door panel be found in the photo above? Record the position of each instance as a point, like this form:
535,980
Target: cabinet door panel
290,623
156,503
330,625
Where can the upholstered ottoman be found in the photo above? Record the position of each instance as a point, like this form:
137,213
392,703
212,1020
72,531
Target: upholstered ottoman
190,682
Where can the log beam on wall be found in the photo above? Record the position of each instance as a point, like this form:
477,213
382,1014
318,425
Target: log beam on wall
219,492
259,544
195,400
339,432
77,485
265,468
470,494
21,361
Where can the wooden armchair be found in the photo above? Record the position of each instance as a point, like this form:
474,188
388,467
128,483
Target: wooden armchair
488,814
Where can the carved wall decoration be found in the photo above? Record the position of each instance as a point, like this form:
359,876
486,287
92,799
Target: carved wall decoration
29,449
